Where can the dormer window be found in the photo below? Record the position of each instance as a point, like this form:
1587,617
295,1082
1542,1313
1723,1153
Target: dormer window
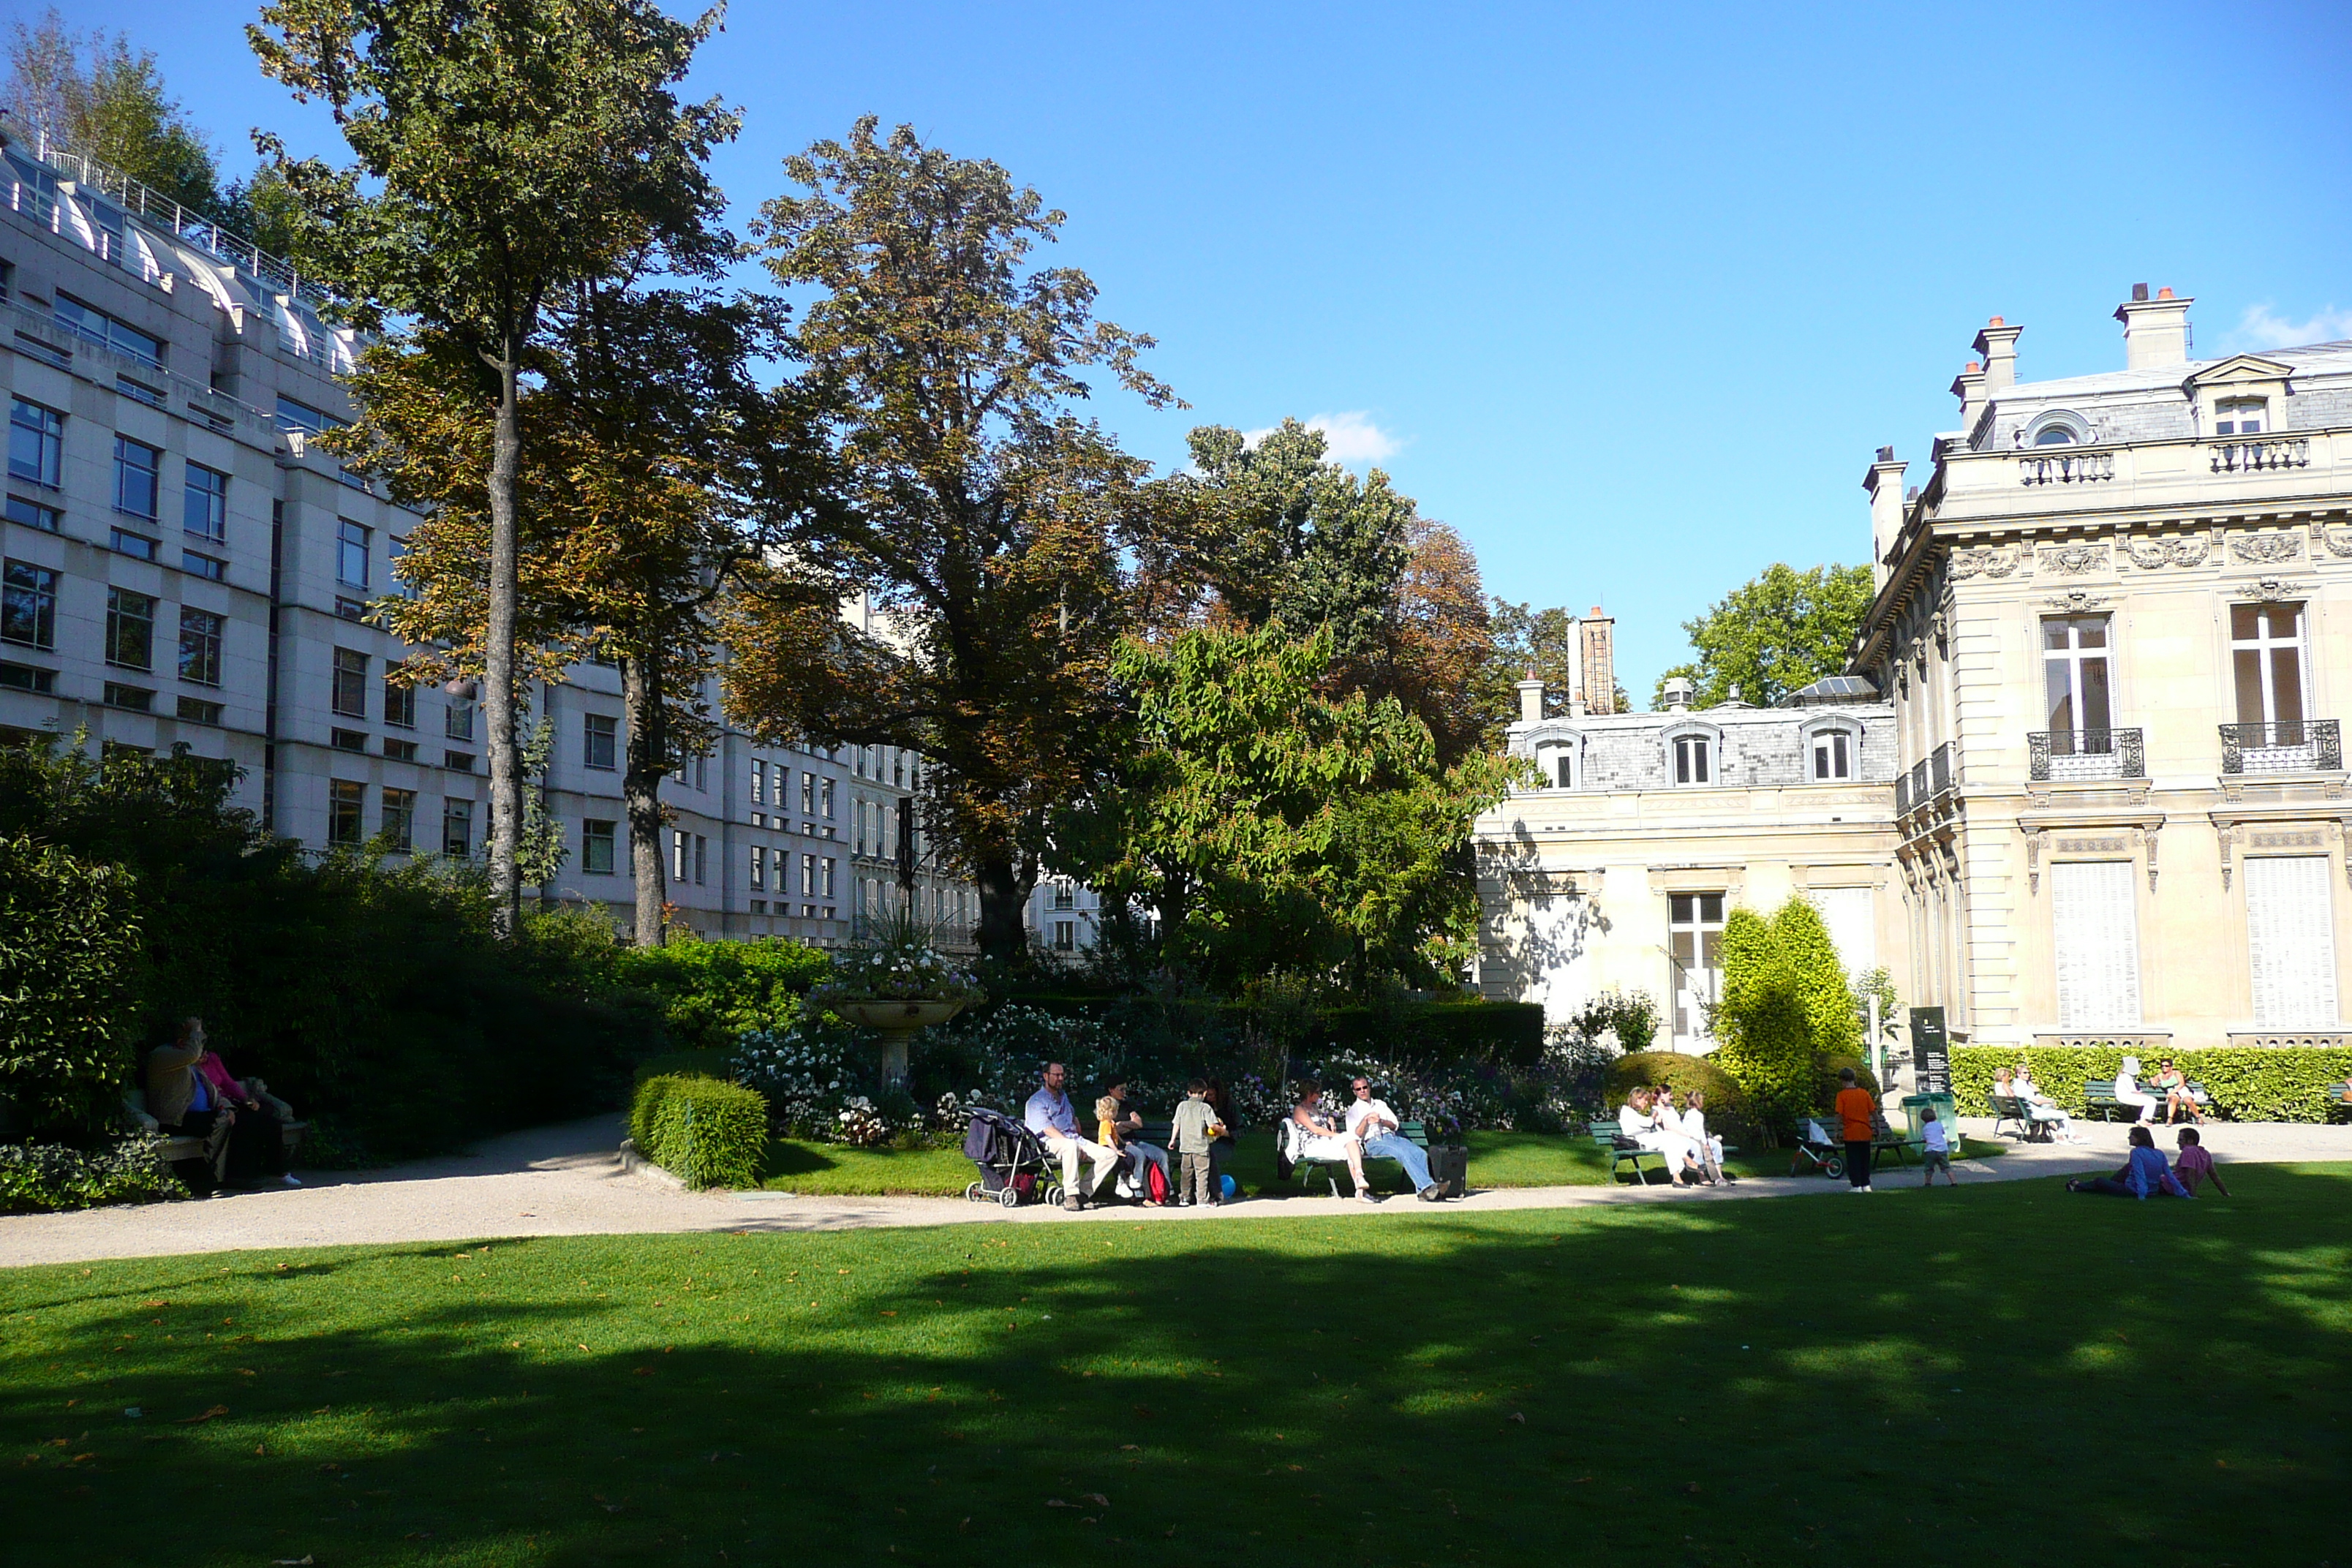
2055,435
2057,428
1693,759
2241,415
1832,756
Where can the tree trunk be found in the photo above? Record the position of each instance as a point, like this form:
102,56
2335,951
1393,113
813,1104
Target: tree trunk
1002,892
499,651
648,719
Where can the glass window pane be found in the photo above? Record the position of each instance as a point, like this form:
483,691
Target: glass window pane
2058,682
1679,906
2245,621
2250,685
2286,687
1710,908
2095,714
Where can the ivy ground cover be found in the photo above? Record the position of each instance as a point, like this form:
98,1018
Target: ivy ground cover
1766,1382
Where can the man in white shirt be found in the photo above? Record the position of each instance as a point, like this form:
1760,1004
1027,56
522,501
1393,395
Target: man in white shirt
2040,1107
1050,1116
1376,1128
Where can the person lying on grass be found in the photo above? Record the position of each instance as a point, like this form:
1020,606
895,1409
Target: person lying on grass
1326,1140
2195,1164
2144,1175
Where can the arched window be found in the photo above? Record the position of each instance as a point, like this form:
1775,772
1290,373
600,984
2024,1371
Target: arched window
2057,428
2054,435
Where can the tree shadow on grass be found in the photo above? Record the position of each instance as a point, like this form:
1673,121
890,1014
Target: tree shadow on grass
1928,1373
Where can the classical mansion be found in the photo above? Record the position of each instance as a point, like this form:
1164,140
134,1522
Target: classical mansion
2083,780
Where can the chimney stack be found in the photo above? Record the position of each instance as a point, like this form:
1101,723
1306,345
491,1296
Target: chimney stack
1596,650
1997,343
1968,387
1885,483
1531,696
2156,331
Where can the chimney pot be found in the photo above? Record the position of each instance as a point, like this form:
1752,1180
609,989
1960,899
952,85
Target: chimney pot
1971,369
1996,322
2139,293
2164,293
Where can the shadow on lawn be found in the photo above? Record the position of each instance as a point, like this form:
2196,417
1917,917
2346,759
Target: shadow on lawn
1742,1383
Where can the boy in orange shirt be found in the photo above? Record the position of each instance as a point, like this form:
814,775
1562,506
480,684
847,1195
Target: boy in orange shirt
1859,1112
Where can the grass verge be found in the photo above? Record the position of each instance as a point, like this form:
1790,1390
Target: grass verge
1916,1374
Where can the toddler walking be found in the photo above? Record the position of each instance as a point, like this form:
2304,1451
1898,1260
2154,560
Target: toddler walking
1939,1152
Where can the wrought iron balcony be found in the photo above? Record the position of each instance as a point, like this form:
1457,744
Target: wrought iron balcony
1928,779
2294,746
2068,755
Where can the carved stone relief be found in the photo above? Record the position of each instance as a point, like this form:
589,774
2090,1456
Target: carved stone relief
2266,547
2074,560
1990,562
2149,554
2338,544
2075,601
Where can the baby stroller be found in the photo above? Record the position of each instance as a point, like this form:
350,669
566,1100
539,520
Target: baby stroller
1013,1164
1818,1151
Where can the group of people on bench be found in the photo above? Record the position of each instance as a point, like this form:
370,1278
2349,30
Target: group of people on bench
1202,1131
1675,1125
189,1092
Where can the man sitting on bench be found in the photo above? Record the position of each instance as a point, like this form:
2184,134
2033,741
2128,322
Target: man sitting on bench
1378,1129
1049,1116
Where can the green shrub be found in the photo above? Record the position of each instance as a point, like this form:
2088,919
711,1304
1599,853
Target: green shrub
1818,979
707,1133
375,995
68,958
1766,1046
1826,1084
2248,1083
713,993
1729,1115
40,1177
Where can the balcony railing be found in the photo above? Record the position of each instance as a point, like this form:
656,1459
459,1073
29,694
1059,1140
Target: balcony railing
2061,755
2065,467
2260,453
2295,746
1928,778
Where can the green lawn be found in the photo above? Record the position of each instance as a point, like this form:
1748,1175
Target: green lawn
1497,1160
2002,1372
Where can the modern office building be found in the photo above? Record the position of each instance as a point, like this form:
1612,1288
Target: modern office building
181,566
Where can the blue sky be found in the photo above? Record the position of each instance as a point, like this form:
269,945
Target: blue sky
1627,294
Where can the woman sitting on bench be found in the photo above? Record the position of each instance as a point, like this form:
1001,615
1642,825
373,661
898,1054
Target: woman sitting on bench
2178,1095
1321,1138
1640,1119
2040,1107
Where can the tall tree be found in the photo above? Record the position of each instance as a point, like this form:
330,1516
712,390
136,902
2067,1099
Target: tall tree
1435,653
1777,634
506,151
656,467
986,518
1538,644
1275,825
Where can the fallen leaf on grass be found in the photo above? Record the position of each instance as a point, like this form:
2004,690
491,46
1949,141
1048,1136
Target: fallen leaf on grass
1128,1448
1522,1420
642,1372
1097,1499
152,1304
1057,1503
200,1420
301,1561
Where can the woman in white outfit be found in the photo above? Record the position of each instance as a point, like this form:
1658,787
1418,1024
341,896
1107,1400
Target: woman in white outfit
1710,1148
2128,1091
2041,1106
1318,1137
1638,1119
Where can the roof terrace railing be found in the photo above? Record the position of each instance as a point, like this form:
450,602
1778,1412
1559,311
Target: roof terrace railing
159,211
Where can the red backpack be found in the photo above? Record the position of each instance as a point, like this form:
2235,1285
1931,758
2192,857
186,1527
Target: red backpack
1155,1182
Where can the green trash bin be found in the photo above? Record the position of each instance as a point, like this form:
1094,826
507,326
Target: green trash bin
1945,1112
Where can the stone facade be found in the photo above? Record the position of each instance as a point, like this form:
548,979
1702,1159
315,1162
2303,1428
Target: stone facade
2116,626
1616,875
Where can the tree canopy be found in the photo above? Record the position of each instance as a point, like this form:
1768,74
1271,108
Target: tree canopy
1775,634
1276,826
984,517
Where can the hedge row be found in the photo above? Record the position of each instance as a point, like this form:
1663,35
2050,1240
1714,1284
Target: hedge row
704,1131
2248,1083
1510,1032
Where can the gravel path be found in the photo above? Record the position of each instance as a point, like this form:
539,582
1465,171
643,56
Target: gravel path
567,1180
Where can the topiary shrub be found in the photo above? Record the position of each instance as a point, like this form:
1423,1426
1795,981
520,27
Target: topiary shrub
1818,978
705,1131
2248,1083
1826,1084
1729,1114
714,992
70,953
1766,1048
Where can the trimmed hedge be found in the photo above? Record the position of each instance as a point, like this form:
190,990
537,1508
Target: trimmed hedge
2248,1083
1728,1114
705,1131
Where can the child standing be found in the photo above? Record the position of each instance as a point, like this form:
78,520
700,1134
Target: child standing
1939,1155
1194,1130
2195,1164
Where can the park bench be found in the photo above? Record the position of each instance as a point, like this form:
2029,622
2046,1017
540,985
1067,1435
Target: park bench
1903,1144
1604,1132
1305,1172
2009,1108
181,1146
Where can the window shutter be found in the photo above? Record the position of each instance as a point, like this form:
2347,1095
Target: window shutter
2290,929
2095,929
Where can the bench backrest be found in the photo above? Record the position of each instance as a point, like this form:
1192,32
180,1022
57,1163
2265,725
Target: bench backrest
2095,1090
